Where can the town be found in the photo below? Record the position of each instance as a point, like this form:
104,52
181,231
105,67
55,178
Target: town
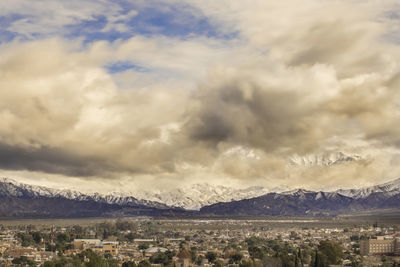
149,242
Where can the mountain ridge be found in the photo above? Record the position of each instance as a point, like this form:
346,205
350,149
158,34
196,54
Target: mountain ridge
19,199
13,188
316,203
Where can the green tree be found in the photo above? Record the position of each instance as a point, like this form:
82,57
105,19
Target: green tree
160,258
211,256
199,259
255,252
49,264
37,237
124,225
143,246
95,260
130,236
193,253
248,263
332,251
317,260
271,262
23,261
299,259
235,257
112,263
144,263
25,239
129,264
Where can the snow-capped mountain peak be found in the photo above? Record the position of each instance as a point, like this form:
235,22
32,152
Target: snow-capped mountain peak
389,188
195,196
322,159
297,192
190,197
10,187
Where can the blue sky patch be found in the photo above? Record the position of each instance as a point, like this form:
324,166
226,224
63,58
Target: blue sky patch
121,66
153,18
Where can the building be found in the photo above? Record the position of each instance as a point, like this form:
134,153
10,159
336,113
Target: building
83,244
153,250
141,240
381,245
18,252
97,245
182,263
110,247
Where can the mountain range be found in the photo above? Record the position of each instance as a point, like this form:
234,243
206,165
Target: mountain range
302,202
24,200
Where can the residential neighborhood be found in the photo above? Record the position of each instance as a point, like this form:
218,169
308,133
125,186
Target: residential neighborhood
150,242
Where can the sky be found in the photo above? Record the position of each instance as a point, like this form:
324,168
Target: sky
124,95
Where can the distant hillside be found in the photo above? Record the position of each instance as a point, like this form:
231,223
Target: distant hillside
22,200
303,202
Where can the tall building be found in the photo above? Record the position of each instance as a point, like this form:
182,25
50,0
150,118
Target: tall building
381,245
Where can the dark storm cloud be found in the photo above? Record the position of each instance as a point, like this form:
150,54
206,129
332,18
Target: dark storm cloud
49,160
243,112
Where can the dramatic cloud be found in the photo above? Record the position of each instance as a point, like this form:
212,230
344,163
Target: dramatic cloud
230,104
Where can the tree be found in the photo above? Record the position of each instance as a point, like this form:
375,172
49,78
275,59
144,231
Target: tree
332,251
124,225
143,246
49,264
162,258
355,263
317,260
130,236
211,256
23,261
293,235
193,253
144,263
248,263
37,237
129,264
255,252
199,260
95,260
26,239
271,262
299,259
236,257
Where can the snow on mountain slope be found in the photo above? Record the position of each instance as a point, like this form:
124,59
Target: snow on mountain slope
322,160
191,197
9,187
297,192
195,196
389,188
